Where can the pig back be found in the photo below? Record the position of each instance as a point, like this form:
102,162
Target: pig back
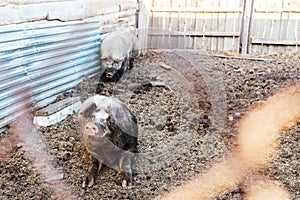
118,45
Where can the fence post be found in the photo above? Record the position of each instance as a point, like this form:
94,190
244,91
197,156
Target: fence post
246,26
143,15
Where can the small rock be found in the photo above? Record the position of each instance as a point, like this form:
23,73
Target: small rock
55,177
148,177
157,84
165,66
237,114
159,127
20,144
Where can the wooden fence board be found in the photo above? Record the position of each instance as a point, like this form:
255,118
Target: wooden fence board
210,9
290,32
276,26
298,30
173,40
181,28
284,26
166,23
157,25
211,27
224,25
222,20
188,26
231,25
217,25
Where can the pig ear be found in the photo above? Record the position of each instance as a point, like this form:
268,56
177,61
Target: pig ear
89,111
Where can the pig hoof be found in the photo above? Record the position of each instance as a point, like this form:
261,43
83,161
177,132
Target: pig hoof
125,183
89,181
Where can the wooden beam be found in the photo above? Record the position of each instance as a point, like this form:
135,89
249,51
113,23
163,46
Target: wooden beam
277,10
272,42
196,10
242,58
194,34
246,27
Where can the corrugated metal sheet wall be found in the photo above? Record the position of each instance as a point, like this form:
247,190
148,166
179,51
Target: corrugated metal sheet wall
38,64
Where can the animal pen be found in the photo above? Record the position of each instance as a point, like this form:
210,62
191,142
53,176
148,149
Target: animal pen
203,69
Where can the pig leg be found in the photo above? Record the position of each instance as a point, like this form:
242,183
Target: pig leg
131,62
124,67
94,168
126,169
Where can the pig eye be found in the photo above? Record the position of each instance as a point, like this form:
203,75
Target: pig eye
110,120
116,64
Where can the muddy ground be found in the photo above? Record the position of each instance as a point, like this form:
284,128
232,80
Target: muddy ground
187,113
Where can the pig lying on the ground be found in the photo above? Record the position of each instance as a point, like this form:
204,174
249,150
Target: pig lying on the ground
116,54
109,132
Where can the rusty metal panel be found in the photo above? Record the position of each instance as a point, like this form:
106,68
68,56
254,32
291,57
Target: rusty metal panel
37,64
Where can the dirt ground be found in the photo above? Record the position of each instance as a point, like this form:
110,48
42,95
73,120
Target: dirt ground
187,105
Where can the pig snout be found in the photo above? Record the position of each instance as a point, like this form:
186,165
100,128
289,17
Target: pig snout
92,130
109,75
112,69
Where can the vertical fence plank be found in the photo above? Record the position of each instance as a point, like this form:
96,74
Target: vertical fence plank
167,27
155,25
247,20
228,24
231,43
200,24
276,26
189,24
184,26
143,22
292,27
297,33
213,26
187,42
284,26
152,23
222,24
193,25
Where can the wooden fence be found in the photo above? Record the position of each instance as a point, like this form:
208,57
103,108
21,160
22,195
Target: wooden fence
240,26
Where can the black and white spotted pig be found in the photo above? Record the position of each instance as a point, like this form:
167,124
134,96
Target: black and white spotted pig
109,132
